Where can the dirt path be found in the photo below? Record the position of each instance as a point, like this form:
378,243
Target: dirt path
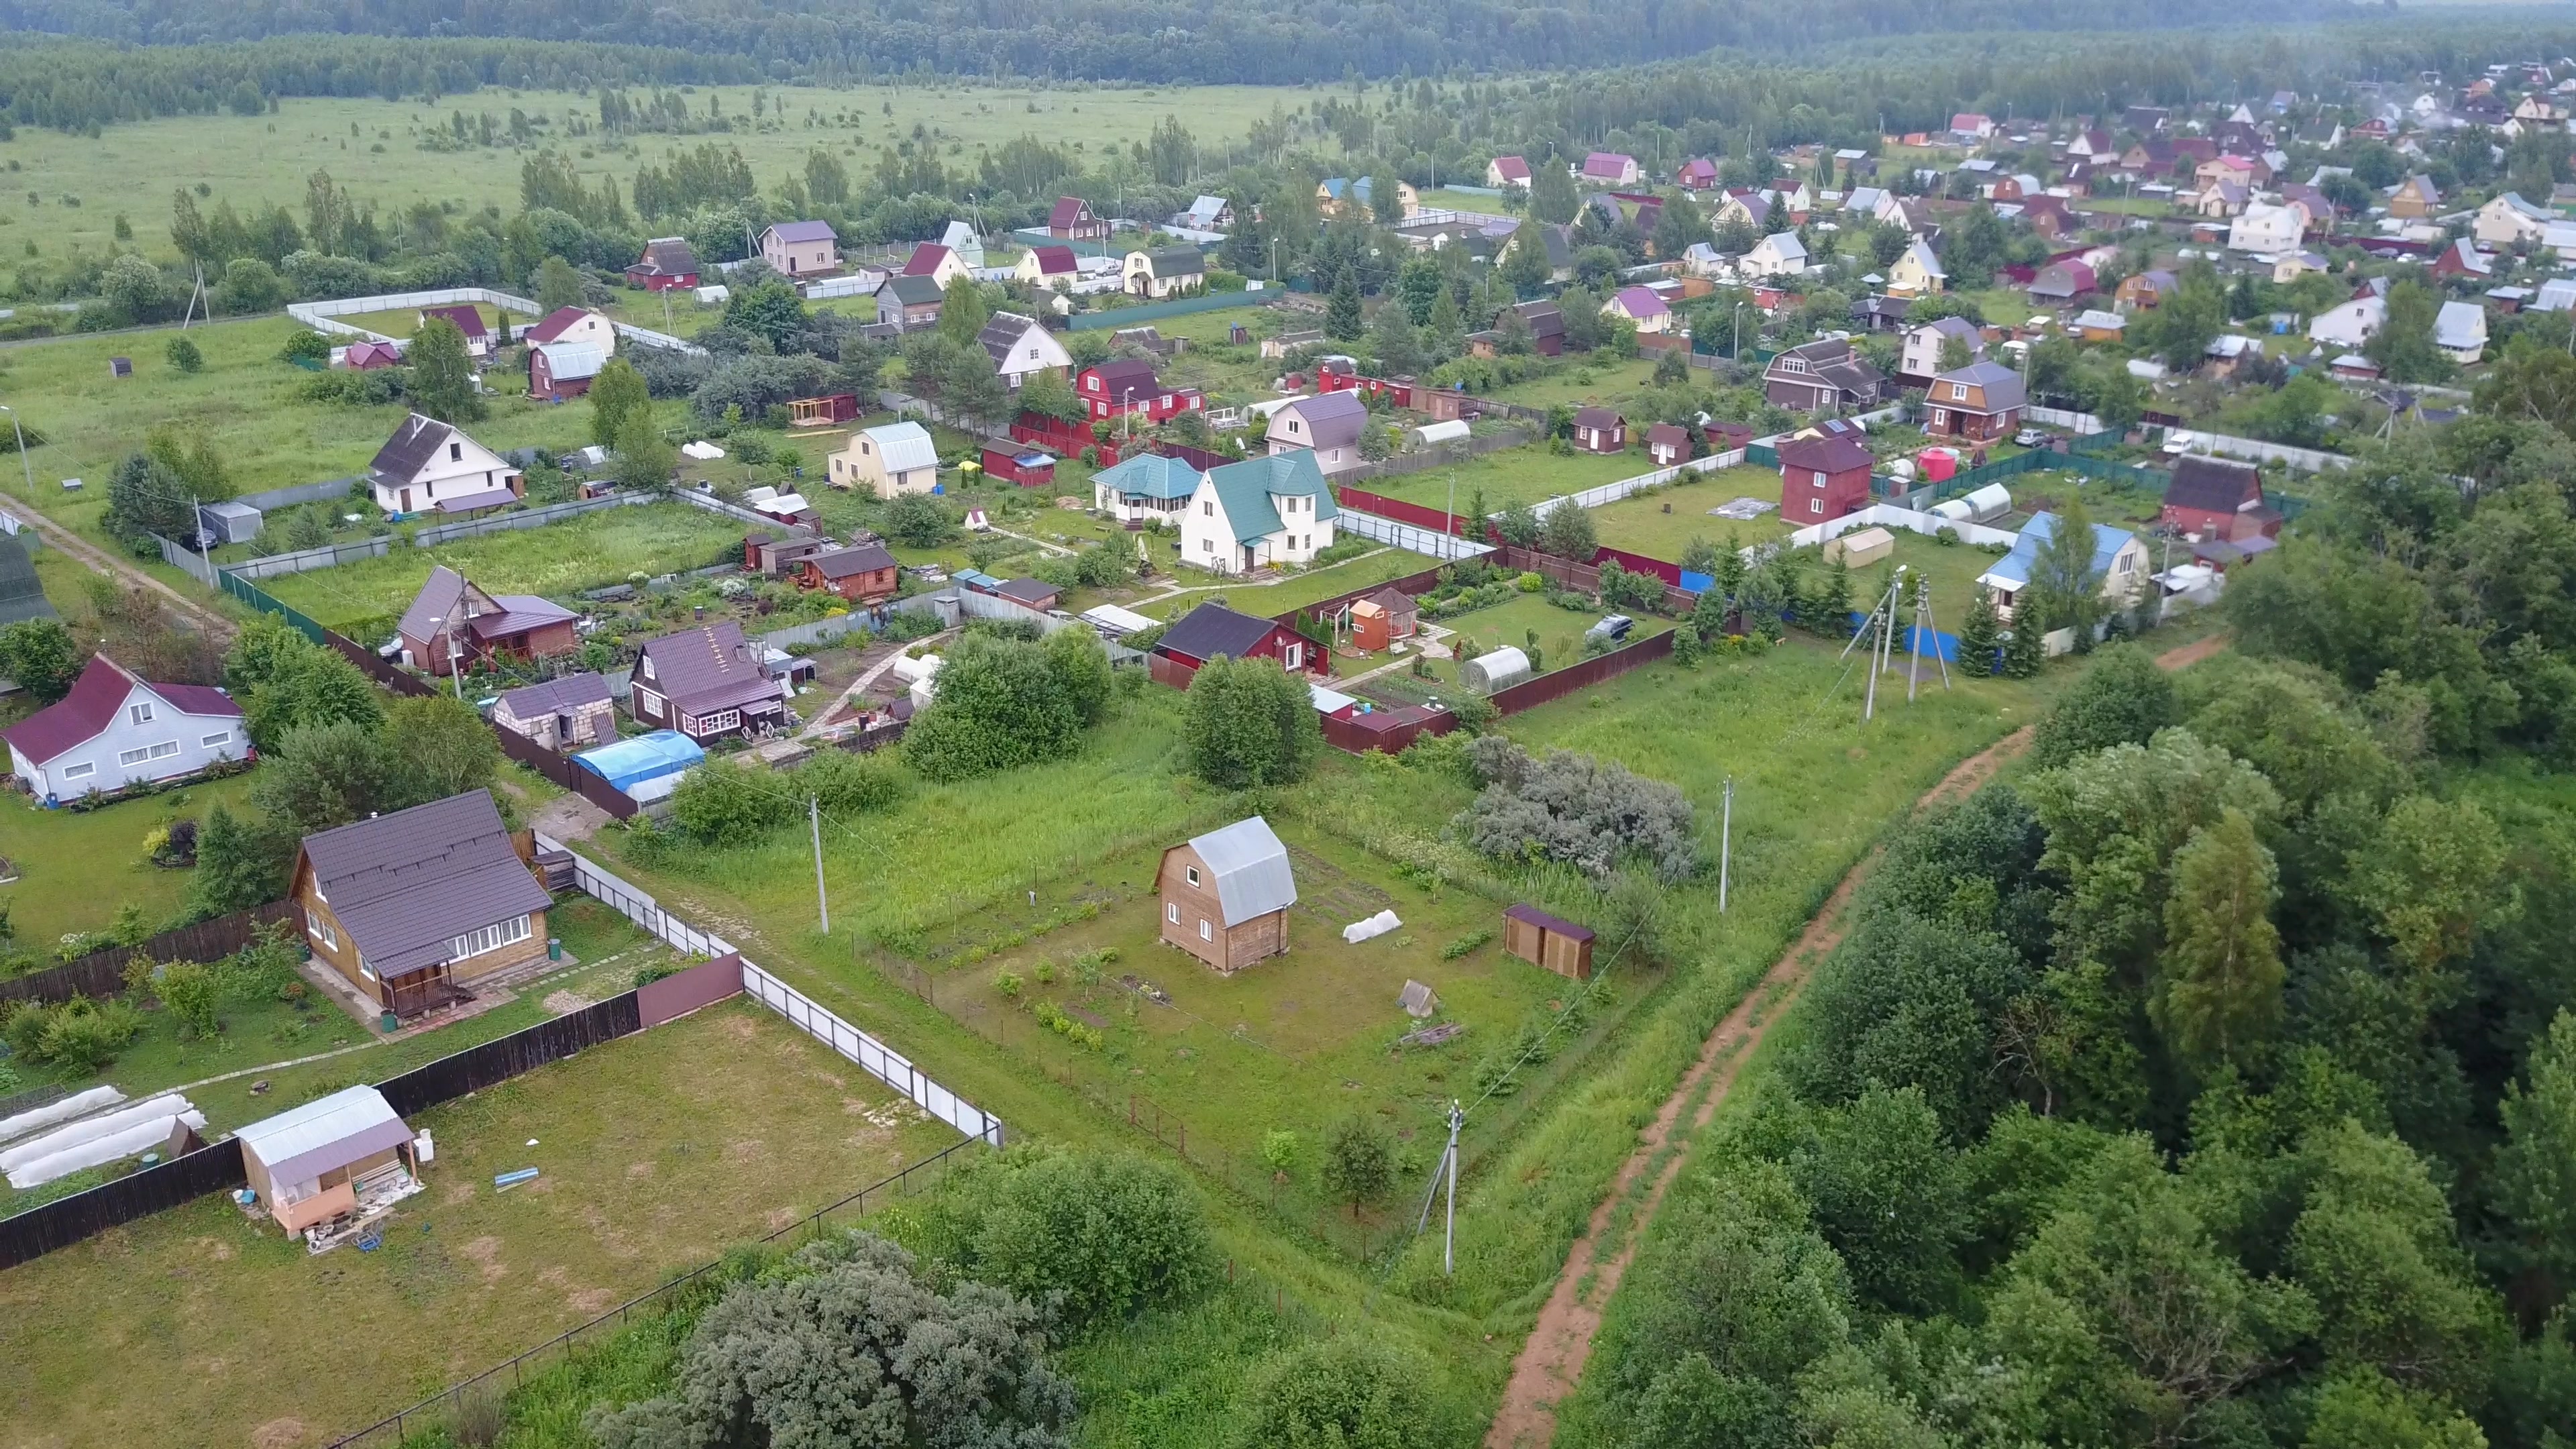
99,561
1551,1362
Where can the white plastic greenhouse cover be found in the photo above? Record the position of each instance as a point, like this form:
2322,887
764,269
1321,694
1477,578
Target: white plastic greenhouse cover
1377,925
168,1104
79,1104
141,1137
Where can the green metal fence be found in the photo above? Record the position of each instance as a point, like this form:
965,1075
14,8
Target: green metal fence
268,603
1762,455
1178,307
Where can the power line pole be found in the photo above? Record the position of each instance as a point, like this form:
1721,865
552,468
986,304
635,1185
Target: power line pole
1725,843
1446,1175
822,903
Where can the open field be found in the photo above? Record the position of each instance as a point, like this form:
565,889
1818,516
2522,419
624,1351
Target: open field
1662,524
1514,475
587,551
658,1152
372,148
75,869
1586,380
1286,591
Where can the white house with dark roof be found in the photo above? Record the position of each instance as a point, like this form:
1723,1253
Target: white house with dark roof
1329,424
115,730
431,467
1257,513
1021,349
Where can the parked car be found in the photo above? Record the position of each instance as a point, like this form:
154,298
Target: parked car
2029,438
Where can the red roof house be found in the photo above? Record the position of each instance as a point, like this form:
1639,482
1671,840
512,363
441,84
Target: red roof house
1697,174
668,264
468,320
115,730
1074,220
2218,498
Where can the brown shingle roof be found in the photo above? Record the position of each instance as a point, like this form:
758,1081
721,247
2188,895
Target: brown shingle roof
403,885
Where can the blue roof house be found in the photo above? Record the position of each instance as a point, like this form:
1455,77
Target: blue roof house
1146,488
2119,564
1260,513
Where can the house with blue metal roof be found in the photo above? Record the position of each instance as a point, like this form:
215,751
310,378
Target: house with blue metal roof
1259,513
2119,564
1146,488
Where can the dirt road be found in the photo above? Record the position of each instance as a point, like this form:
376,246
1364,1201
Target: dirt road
99,561
1551,1362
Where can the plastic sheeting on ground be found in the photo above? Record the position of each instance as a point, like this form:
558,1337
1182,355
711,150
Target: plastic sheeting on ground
79,1104
141,1137
168,1104
1377,925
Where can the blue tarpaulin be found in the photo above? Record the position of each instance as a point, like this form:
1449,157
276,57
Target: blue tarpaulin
629,763
1697,583
1932,640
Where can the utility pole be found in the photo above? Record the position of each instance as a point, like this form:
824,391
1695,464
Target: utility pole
455,666
822,903
1725,843
1446,1175
26,466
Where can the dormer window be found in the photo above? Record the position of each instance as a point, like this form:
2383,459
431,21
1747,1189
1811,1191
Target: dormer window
648,667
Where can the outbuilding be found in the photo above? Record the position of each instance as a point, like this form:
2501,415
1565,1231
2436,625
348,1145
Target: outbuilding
344,1155
1226,895
1543,940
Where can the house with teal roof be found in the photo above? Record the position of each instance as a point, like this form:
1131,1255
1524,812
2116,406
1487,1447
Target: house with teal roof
1259,513
1147,488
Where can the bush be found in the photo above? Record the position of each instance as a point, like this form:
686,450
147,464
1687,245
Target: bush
79,1035
187,990
1098,1237
183,355
1351,1391
1573,808
849,784
1250,723
724,803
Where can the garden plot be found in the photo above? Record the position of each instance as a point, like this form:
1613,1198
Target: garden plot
1662,522
1515,475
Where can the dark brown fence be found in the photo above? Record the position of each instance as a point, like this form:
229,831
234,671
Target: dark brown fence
378,668
502,1058
1421,583
1386,731
65,1221
682,992
1556,684
102,973
1584,578
565,771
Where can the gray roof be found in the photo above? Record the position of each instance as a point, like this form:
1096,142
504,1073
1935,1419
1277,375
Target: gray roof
405,884
1251,869
410,448
865,558
1175,261
2002,384
22,594
301,1143
804,231
1001,333
1333,419
572,361
903,446
555,696
913,291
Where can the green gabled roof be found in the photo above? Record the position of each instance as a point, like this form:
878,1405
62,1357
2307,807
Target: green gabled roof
1244,491
1150,475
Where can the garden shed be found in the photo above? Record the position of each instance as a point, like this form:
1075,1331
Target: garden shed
1501,669
333,1157
1861,547
1543,940
1226,895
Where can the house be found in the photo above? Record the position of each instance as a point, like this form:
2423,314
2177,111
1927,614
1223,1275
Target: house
1504,172
2461,258
1164,272
1206,214
1393,615
2263,227
2349,324
562,371
2062,282
114,730
337,1156
1327,424
908,304
2219,200
1599,430
1822,376
1642,306
468,319
1546,326
1543,940
22,593
1881,314
1144,488
1259,512
575,709
2415,198
430,467
1610,168
801,248
2094,324
1072,219
2217,498
668,264
1226,895
1669,444
862,574
1924,345
2119,561
1047,266
1780,254
771,556
705,682
939,263
1823,478
1916,273
1341,195
1697,174
1211,630
370,356
889,460
1745,206
2510,221
1971,126
411,907
574,324
1979,402
451,617
1021,349
2460,330
1128,385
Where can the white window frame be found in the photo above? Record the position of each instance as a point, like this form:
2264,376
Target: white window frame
160,750
647,701
488,939
1206,931
1192,872
215,741
81,771
1172,914
320,929
720,721
139,712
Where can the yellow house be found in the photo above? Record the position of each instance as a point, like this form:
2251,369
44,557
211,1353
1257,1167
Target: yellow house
889,461
1917,273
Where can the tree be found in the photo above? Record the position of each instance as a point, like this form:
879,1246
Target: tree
2403,346
727,803
2122,698
1567,532
1885,1188
771,311
2534,1182
1249,723
1518,526
2219,998
1525,265
1445,335
309,688
1678,227
1981,637
241,863
1551,193
962,312
999,704
1359,1159
2025,649
250,285
2065,591
41,655
918,520
1350,1391
558,285
618,393
183,355
1396,341
1081,669
1829,613
328,774
2361,1409
2431,881
145,497
441,747
441,381
1342,308
1101,1236
1955,353
645,458
2180,327
1050,396
132,286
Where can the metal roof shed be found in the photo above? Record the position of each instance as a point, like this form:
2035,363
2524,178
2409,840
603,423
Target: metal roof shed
1250,865
301,1161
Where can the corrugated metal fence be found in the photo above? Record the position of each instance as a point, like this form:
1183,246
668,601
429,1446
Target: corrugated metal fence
1180,307
102,973
502,1058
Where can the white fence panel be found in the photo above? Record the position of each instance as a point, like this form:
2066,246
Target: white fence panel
872,1056
537,517
1442,546
324,316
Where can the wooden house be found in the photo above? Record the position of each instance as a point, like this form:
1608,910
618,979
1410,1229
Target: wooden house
1822,478
669,264
1213,629
329,1158
1981,402
560,713
1599,430
1542,940
412,907
452,618
1669,444
1226,895
864,574
1072,219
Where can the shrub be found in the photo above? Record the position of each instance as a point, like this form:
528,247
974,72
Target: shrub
1569,807
848,783
1351,1391
188,990
1465,944
79,1035
1098,1237
1008,983
724,803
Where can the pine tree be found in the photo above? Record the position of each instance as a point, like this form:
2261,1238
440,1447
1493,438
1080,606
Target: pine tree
1446,335
1397,342
1981,639
1729,571
2024,652
1342,309
1833,602
2222,979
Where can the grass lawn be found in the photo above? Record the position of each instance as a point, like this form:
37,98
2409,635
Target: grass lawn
1285,591
1514,475
404,321
658,1152
1642,524
75,869
1586,380
583,552
1560,631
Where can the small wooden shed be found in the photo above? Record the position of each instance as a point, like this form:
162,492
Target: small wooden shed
822,412
1861,547
1542,940
1226,895
333,1157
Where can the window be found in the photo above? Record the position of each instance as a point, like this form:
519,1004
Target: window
1172,914
647,702
1958,392
140,712
1206,932
720,721
1820,480
1815,505
491,938
1296,655
215,741
1208,544
1208,507
648,666
161,751
320,930
456,452
1192,872
366,970
80,771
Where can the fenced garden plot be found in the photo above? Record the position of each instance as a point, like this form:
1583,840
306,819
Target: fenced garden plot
1640,524
657,1152
76,868
1514,475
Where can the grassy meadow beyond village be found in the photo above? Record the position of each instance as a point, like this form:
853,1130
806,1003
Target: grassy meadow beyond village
1687,730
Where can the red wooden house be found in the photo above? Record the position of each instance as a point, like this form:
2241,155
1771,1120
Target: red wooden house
1397,390
1124,385
862,575
668,264
2216,498
1073,220
1822,479
1213,629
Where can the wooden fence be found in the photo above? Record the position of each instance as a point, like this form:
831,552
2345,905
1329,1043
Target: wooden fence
102,973
1421,583
565,771
68,1220
1586,578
